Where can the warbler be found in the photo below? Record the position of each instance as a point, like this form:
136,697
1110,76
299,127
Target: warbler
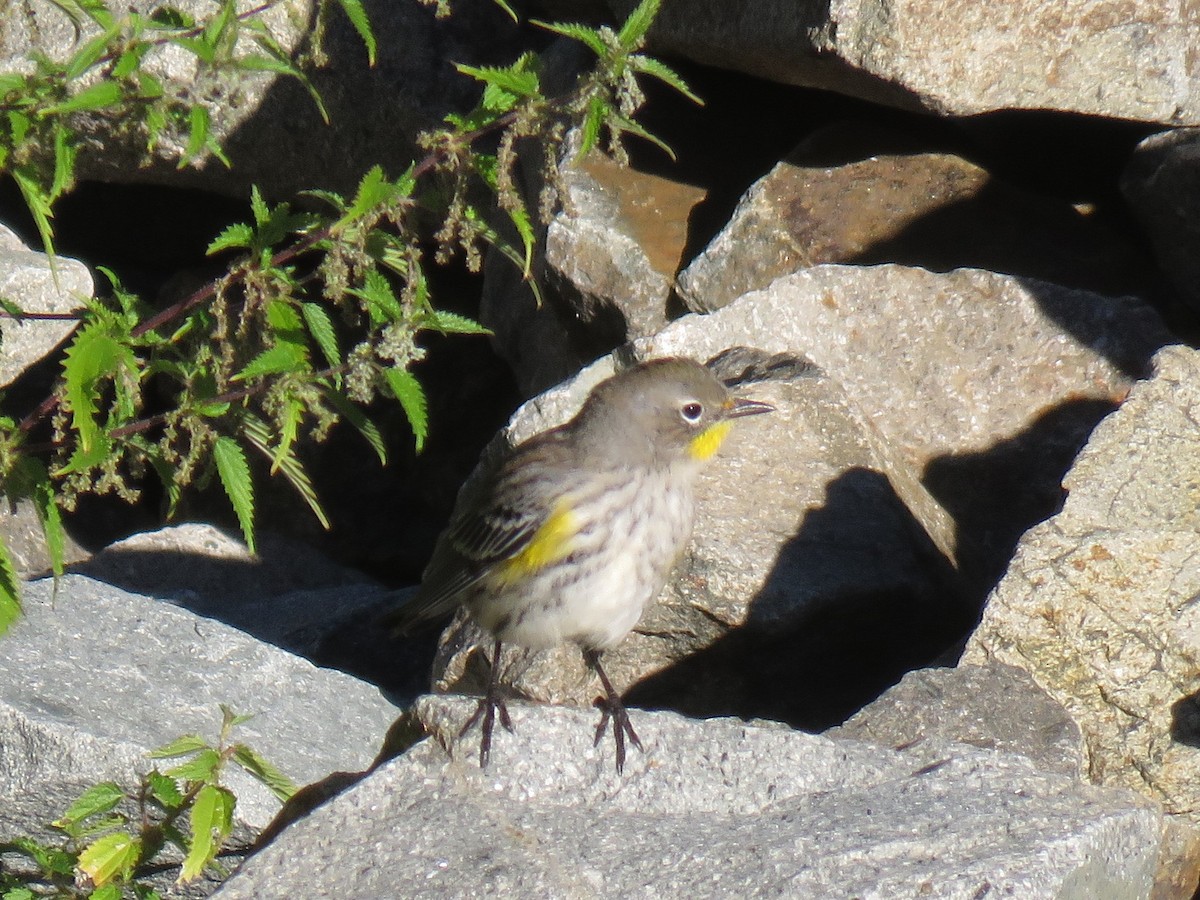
579,527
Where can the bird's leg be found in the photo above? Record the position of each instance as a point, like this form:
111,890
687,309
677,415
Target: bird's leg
489,704
611,707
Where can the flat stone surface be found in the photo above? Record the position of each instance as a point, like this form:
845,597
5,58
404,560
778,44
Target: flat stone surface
93,678
714,808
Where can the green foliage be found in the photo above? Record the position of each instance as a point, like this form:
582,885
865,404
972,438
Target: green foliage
112,839
319,312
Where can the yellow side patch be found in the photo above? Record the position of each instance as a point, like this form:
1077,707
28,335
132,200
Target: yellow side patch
549,544
709,441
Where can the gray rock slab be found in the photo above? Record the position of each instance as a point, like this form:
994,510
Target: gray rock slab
1100,604
92,678
714,808
28,280
959,58
993,707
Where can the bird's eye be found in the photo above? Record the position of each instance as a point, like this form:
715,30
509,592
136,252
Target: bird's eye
691,412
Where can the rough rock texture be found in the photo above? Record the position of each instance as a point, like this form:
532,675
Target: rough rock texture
1162,184
933,210
908,344
817,559
270,128
957,57
27,280
92,678
993,707
21,531
1099,604
718,808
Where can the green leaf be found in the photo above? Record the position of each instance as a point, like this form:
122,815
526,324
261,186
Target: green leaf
359,420
283,459
98,96
266,773
10,594
39,206
508,9
453,323
411,395
41,491
576,32
632,126
358,18
92,353
381,302
86,57
258,207
235,478
181,746
633,32
112,856
212,821
656,69
197,135
373,189
520,219
164,789
237,235
320,326
83,459
517,80
200,767
590,132
110,891
64,161
96,800
283,357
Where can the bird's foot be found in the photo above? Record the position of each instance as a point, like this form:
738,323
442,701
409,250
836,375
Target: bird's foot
485,713
612,708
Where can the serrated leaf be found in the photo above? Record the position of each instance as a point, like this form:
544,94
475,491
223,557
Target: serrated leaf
98,96
41,492
453,323
664,73
265,772
520,219
359,420
212,821
98,799
283,357
411,395
164,789
284,460
633,32
198,122
289,426
632,126
238,235
181,746
282,316
320,326
109,857
514,80
81,460
92,353
590,130
235,479
64,161
373,189
200,767
86,57
576,32
508,9
358,18
39,207
109,891
10,594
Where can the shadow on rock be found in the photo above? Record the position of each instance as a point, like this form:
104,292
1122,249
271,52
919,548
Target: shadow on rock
1185,720
997,494
850,630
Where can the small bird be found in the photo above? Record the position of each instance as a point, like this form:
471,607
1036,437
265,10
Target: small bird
580,526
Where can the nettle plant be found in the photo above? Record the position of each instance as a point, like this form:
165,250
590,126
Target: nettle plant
318,313
112,841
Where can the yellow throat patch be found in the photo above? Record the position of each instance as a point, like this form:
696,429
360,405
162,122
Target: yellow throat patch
550,543
709,441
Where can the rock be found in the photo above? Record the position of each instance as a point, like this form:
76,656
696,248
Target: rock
993,707
21,531
907,346
1098,604
269,126
816,576
933,210
714,808
614,249
93,678
1161,184
957,60
28,280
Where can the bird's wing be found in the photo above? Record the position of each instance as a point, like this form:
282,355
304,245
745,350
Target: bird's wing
488,532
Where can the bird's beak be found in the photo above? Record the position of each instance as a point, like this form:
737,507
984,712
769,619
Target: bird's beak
740,406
